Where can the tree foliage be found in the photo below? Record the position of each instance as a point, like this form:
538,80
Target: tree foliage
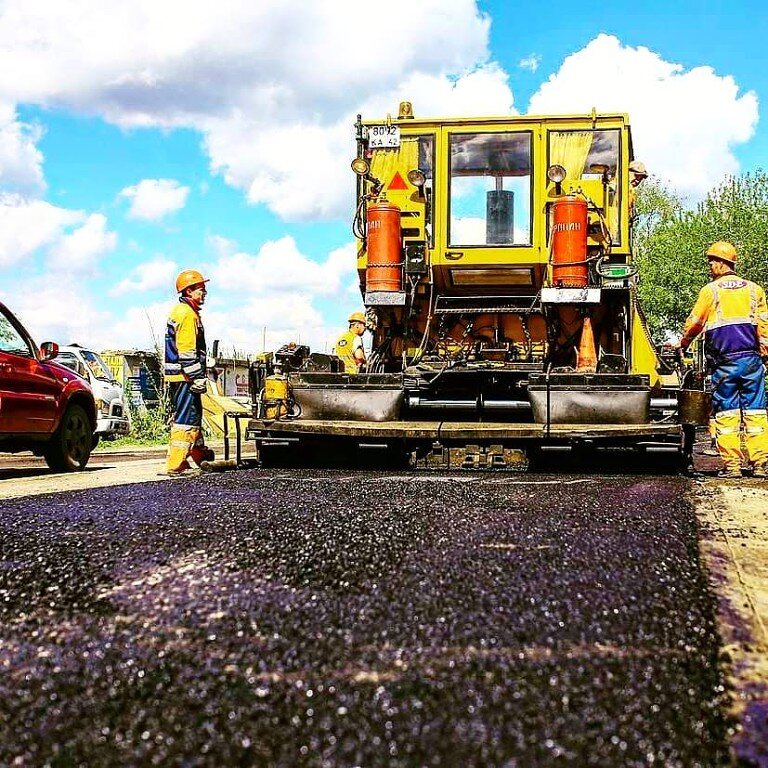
670,242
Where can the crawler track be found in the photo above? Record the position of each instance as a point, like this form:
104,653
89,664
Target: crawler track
341,618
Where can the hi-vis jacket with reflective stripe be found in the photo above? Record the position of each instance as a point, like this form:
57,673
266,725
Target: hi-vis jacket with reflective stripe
732,313
346,347
184,344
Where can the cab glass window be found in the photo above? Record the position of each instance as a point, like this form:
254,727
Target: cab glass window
98,367
72,362
490,192
594,157
11,341
414,153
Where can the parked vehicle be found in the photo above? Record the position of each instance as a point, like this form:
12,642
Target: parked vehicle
111,412
44,408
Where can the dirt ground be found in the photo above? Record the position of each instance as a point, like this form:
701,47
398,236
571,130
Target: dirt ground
734,545
26,475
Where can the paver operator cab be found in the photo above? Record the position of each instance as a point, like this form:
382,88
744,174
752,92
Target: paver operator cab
495,266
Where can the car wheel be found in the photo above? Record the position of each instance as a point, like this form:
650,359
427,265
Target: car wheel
70,446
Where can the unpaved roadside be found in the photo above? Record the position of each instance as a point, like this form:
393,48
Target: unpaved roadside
33,481
734,545
26,475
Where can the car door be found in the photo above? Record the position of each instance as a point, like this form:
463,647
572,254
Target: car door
28,389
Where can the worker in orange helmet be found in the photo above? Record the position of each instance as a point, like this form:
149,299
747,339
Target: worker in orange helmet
184,369
349,346
733,314
637,175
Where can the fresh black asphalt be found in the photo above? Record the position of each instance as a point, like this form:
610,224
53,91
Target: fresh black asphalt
357,618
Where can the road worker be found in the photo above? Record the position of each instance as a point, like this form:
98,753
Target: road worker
637,175
349,346
185,373
732,313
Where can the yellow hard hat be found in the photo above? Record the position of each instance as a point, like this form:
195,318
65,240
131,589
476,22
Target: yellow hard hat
356,317
722,250
188,278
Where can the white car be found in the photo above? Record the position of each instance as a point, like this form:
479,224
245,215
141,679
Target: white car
111,412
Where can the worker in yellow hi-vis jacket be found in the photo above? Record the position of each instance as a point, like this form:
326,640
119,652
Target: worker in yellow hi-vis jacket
733,314
349,346
185,373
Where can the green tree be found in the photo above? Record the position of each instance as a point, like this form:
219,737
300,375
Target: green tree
670,242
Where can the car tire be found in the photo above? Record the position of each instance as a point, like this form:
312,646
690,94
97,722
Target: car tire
71,444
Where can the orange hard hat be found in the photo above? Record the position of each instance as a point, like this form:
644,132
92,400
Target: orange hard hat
356,317
188,278
722,250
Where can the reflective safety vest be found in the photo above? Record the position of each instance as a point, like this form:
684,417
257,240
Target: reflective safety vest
733,314
184,344
345,348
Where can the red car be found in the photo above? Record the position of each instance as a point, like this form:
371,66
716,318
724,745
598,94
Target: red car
45,407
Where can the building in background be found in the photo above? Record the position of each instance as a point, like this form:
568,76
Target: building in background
139,373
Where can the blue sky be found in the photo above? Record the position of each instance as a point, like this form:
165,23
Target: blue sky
140,141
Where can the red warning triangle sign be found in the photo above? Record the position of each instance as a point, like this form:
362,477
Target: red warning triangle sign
398,182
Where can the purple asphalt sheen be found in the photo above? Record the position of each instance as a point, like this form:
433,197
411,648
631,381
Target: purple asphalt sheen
356,618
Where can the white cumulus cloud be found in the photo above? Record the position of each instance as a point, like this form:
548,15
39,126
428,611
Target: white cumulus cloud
21,162
685,122
62,310
273,91
531,62
156,273
153,199
80,250
279,268
26,226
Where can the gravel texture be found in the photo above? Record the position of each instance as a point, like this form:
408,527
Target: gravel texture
332,618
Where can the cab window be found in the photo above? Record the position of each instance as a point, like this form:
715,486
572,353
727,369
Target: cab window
72,362
414,153
11,341
592,157
490,189
98,367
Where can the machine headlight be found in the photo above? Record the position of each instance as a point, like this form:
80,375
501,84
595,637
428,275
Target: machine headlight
417,177
556,173
360,166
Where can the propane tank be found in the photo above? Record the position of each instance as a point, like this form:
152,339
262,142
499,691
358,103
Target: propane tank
569,242
274,401
384,271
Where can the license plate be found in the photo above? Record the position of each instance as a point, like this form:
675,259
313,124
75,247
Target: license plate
383,136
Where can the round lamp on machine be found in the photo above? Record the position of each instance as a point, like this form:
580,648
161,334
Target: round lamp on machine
360,166
417,177
556,173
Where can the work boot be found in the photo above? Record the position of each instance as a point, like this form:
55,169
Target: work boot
190,472
760,471
730,473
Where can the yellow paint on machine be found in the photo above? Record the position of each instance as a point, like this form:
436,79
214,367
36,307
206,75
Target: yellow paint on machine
215,405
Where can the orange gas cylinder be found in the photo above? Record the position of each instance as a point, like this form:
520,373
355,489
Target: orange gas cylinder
384,271
569,242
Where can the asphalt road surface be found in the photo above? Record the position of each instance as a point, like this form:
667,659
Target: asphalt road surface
341,618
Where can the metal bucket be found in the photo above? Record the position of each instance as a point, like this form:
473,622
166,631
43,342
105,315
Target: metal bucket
694,406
